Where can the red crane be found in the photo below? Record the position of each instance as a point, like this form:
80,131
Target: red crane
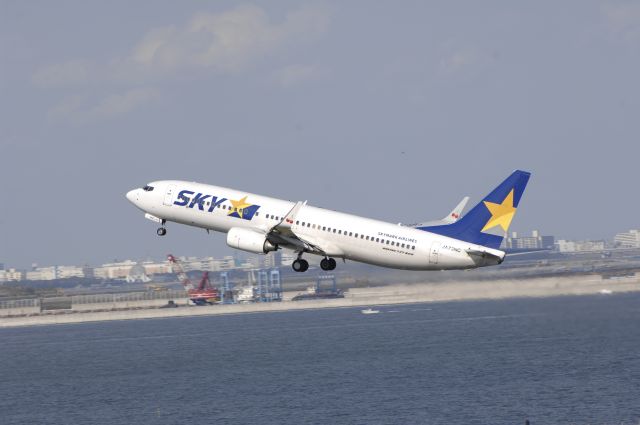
204,293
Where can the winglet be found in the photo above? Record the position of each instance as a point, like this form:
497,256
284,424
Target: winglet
456,213
289,219
452,217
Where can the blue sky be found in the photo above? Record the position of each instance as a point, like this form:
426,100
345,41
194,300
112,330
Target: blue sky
392,110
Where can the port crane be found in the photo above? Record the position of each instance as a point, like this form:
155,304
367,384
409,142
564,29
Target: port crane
204,293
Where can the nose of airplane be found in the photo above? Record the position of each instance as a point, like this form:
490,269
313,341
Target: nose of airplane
132,196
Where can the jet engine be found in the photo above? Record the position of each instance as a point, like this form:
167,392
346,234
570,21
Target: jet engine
249,240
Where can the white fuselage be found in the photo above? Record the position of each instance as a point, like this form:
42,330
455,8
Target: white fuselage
338,234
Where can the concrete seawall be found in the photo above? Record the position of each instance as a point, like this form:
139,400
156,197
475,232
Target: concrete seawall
358,297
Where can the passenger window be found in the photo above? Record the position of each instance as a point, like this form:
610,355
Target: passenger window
308,224
367,237
339,232
377,239
356,235
387,242
413,247
324,228
303,224
334,230
402,245
297,222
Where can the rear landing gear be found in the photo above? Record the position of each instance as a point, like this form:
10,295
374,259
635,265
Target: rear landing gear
300,265
162,230
327,264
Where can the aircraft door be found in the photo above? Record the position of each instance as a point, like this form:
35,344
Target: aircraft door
169,194
433,254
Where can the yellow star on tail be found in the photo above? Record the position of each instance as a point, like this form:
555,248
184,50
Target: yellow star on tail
239,206
501,214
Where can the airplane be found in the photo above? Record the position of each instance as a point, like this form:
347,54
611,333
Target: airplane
259,224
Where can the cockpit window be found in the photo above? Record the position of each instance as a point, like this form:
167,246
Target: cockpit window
147,188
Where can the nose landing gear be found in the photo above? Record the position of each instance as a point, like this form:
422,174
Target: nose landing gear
162,230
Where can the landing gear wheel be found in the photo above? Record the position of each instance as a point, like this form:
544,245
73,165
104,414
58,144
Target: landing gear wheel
327,264
300,265
332,264
161,231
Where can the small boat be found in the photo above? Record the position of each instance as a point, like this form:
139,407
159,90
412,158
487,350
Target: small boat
369,311
605,292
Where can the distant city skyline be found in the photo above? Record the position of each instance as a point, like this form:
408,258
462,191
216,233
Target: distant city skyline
514,240
388,111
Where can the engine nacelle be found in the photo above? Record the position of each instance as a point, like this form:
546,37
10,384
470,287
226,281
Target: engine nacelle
249,240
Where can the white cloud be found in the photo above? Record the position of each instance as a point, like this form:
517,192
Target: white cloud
296,74
120,104
77,109
623,19
459,60
71,73
226,42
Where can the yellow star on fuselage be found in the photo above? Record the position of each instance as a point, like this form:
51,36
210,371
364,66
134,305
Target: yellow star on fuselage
501,214
239,206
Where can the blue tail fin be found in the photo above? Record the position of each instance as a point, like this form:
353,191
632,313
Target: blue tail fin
488,222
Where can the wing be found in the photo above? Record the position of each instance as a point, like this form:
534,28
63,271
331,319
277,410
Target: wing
282,234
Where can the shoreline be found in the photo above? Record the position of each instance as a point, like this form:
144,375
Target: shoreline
359,297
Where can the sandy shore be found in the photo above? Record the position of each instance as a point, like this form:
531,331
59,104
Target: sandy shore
361,297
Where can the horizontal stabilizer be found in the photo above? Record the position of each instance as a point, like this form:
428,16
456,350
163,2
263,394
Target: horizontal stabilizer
485,258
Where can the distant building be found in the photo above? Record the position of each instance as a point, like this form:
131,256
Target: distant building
42,273
151,268
137,273
118,270
272,260
630,239
3,276
535,241
14,275
65,272
88,271
579,246
210,264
